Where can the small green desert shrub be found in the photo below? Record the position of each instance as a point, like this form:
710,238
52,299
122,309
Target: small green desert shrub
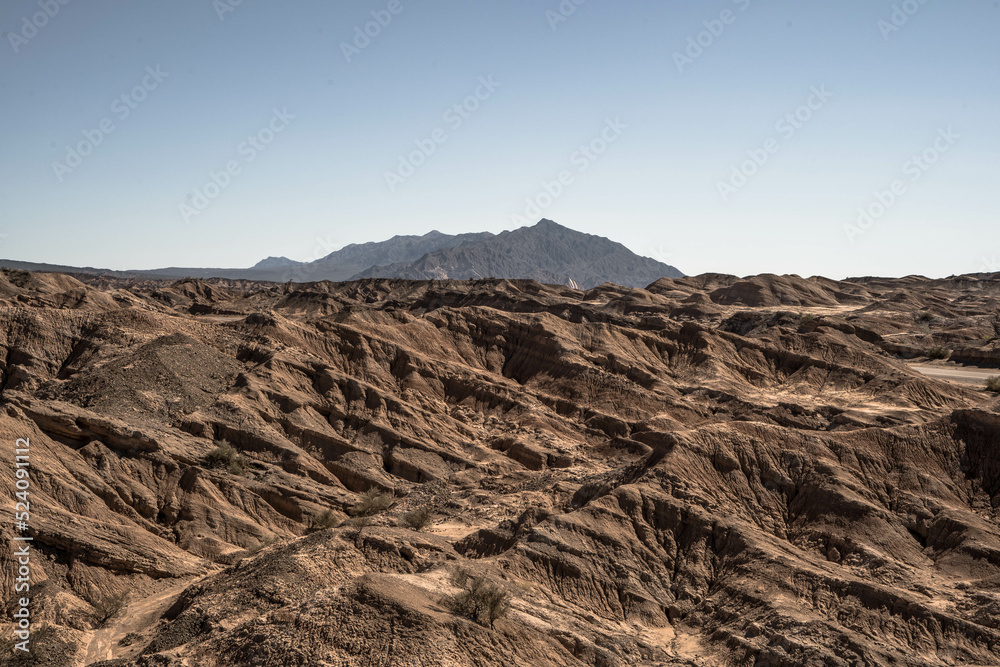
360,522
938,353
479,600
225,456
325,519
993,384
106,606
372,502
419,518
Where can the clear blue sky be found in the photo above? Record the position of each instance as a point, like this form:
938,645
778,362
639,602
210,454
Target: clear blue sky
321,183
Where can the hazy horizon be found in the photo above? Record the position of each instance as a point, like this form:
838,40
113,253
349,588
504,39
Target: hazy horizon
322,245
313,135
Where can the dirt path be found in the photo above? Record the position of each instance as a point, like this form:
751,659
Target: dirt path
962,374
136,617
221,318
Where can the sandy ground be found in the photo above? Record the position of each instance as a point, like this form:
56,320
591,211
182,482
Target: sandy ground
954,373
137,616
222,319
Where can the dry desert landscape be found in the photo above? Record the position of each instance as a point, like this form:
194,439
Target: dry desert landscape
712,470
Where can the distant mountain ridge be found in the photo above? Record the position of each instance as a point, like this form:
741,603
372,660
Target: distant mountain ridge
547,252
350,260
275,263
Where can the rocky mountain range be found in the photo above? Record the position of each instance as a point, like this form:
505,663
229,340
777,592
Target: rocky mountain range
547,252
711,470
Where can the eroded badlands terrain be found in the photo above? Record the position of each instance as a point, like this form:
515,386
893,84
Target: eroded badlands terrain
709,471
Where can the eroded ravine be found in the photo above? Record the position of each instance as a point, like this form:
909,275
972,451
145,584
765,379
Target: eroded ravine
709,471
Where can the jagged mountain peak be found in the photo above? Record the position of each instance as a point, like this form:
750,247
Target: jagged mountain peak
547,252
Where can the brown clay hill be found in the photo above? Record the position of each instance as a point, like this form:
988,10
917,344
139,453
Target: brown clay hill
710,471
767,290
